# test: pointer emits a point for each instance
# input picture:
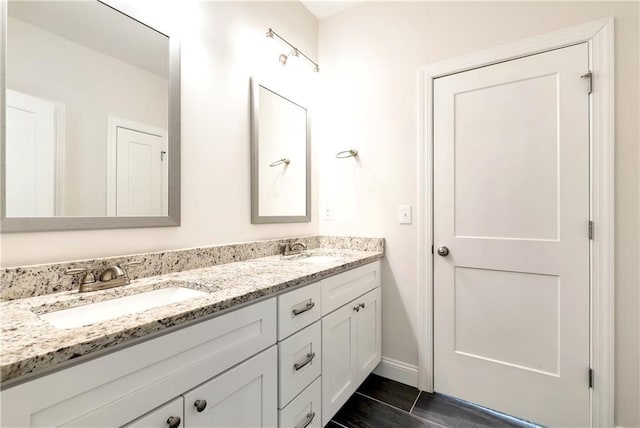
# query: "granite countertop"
(31, 345)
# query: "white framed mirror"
(280, 156)
(90, 99)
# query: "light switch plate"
(404, 214)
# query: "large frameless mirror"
(91, 111)
(281, 158)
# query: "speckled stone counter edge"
(32, 346)
(37, 280)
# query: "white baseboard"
(398, 371)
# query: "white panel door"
(139, 173)
(511, 204)
(30, 154)
(245, 396)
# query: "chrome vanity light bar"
(294, 51)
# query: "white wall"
(91, 86)
(222, 46)
(370, 56)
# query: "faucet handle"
(128, 265)
(283, 247)
(87, 275)
(131, 264)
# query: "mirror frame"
(40, 224)
(256, 218)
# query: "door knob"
(443, 251)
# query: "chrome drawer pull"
(306, 308)
(308, 420)
(307, 360)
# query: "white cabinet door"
(339, 364)
(245, 396)
(368, 333)
(167, 416)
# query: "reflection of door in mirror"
(282, 135)
(136, 169)
(34, 130)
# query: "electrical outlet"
(404, 214)
(327, 213)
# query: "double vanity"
(233, 335)
(263, 342)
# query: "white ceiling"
(326, 8)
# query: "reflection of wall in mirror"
(282, 134)
(91, 85)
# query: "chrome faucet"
(287, 249)
(297, 247)
(113, 276)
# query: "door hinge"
(432, 249)
(590, 377)
(589, 76)
(590, 229)
(162, 153)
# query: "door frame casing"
(599, 36)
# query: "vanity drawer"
(341, 289)
(299, 362)
(304, 410)
(298, 308)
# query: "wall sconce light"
(295, 52)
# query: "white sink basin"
(102, 311)
(319, 260)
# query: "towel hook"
(347, 154)
(285, 161)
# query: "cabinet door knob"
(361, 305)
(200, 405)
(356, 308)
(174, 421)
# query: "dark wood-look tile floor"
(384, 403)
